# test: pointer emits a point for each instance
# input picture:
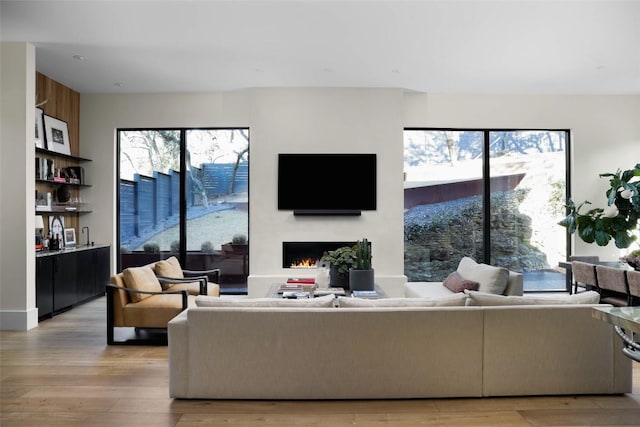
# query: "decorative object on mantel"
(618, 220)
(341, 260)
(361, 274)
(633, 259)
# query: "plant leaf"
(602, 238)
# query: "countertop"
(78, 248)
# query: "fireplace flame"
(304, 263)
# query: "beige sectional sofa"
(378, 352)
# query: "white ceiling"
(455, 46)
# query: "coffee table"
(273, 292)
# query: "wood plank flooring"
(62, 373)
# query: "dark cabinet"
(93, 272)
(65, 279)
(44, 286)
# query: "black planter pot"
(338, 280)
(361, 280)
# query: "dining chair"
(633, 280)
(613, 285)
(584, 276)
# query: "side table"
(626, 321)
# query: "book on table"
(366, 294)
(327, 291)
(301, 280)
(295, 294)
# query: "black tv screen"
(327, 183)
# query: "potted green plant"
(361, 274)
(618, 220)
(239, 239)
(237, 246)
(340, 261)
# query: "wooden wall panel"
(62, 103)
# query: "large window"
(184, 193)
(495, 196)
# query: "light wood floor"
(62, 373)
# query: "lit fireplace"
(306, 254)
(304, 263)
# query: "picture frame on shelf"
(69, 237)
(56, 226)
(57, 135)
(40, 138)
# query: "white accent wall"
(605, 136)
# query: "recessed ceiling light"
(78, 57)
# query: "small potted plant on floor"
(361, 274)
(239, 245)
(340, 261)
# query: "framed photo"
(69, 237)
(57, 135)
(56, 226)
(40, 141)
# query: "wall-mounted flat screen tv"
(327, 184)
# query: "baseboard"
(17, 320)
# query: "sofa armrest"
(202, 280)
(515, 284)
(178, 339)
(206, 273)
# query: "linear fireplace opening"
(307, 254)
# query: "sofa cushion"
(456, 283)
(485, 299)
(140, 279)
(169, 267)
(319, 302)
(491, 279)
(457, 299)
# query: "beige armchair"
(136, 299)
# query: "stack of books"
(295, 287)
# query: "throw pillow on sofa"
(458, 299)
(169, 267)
(484, 299)
(491, 279)
(326, 301)
(140, 279)
(456, 283)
